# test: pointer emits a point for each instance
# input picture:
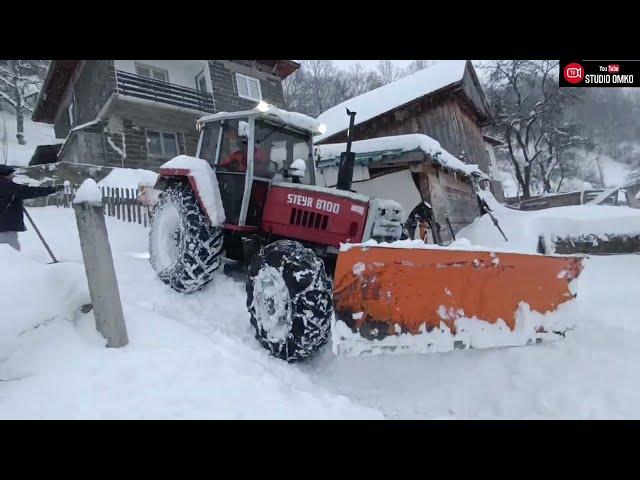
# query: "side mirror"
(298, 168)
(243, 129)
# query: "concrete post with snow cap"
(98, 264)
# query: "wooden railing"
(163, 92)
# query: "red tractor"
(251, 195)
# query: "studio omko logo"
(574, 73)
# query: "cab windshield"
(277, 147)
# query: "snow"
(404, 143)
(615, 173)
(129, 178)
(390, 96)
(189, 357)
(471, 331)
(35, 133)
(195, 356)
(89, 192)
(295, 119)
(523, 228)
(206, 183)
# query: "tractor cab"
(249, 150)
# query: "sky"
(371, 64)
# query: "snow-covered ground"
(35, 133)
(194, 356)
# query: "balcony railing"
(163, 92)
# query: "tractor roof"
(295, 120)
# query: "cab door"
(224, 147)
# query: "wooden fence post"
(101, 275)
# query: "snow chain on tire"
(199, 244)
(302, 289)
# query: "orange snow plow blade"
(419, 300)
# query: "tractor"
(250, 196)
(310, 252)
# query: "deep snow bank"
(523, 228)
(32, 293)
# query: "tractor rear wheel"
(185, 249)
(290, 300)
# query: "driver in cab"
(236, 161)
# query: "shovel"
(44, 242)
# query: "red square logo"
(613, 68)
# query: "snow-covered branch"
(6, 97)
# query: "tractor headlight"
(322, 128)
(263, 106)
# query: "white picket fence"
(121, 203)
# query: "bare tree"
(417, 65)
(529, 108)
(360, 80)
(20, 82)
(388, 72)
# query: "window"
(248, 87)
(162, 144)
(152, 72)
(201, 82)
(278, 146)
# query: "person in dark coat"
(11, 209)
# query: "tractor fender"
(202, 179)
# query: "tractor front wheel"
(290, 300)
(185, 249)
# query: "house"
(410, 169)
(444, 101)
(139, 113)
(418, 139)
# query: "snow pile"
(89, 192)
(35, 133)
(393, 95)
(523, 228)
(403, 143)
(206, 183)
(33, 294)
(458, 244)
(129, 178)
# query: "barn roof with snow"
(455, 76)
(394, 149)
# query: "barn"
(418, 139)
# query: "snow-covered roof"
(295, 119)
(393, 95)
(377, 148)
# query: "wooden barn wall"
(450, 195)
(446, 119)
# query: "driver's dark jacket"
(11, 197)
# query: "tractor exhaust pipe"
(347, 159)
